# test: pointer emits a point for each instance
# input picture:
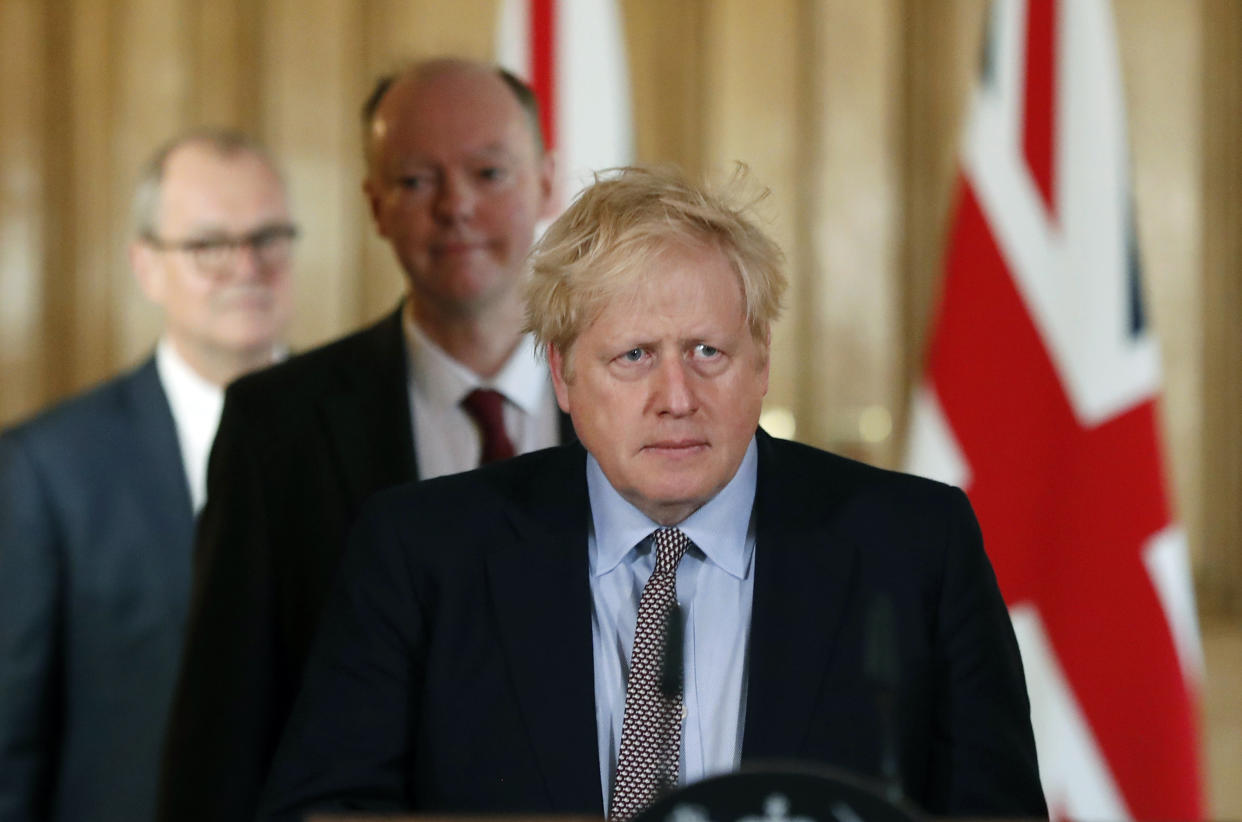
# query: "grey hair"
(226, 142)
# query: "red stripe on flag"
(1039, 112)
(1065, 511)
(543, 64)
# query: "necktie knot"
(671, 545)
(487, 408)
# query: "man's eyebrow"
(492, 149)
(199, 230)
(411, 162)
(213, 230)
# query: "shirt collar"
(523, 380)
(187, 388)
(720, 528)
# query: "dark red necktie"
(487, 407)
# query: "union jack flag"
(1040, 400)
(572, 53)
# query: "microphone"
(882, 665)
(671, 674)
(674, 653)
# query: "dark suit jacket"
(454, 669)
(301, 445)
(96, 528)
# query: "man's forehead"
(410, 157)
(202, 184)
(200, 164)
(460, 110)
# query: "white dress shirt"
(715, 587)
(446, 438)
(196, 404)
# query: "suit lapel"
(541, 593)
(161, 469)
(368, 420)
(802, 590)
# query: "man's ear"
(148, 271)
(767, 358)
(548, 206)
(374, 192)
(556, 364)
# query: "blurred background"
(849, 111)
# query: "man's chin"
(468, 289)
(670, 503)
(250, 338)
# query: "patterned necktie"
(651, 729)
(487, 407)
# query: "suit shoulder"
(521, 479)
(809, 486)
(527, 486)
(815, 466)
(80, 419)
(321, 370)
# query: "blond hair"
(603, 244)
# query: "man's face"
(666, 385)
(456, 186)
(241, 302)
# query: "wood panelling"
(667, 76)
(309, 90)
(941, 49)
(92, 190)
(852, 224)
(25, 368)
(1220, 402)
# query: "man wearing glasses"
(98, 495)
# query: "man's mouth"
(247, 297)
(685, 445)
(454, 247)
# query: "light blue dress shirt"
(715, 584)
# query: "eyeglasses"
(217, 254)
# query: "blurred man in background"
(98, 495)
(457, 177)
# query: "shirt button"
(684, 712)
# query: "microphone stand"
(671, 677)
(882, 666)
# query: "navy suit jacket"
(300, 447)
(454, 669)
(96, 528)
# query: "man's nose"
(456, 198)
(674, 387)
(246, 262)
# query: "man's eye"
(705, 350)
(206, 246)
(492, 173)
(633, 355)
(266, 238)
(411, 183)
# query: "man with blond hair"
(98, 495)
(499, 640)
(457, 178)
